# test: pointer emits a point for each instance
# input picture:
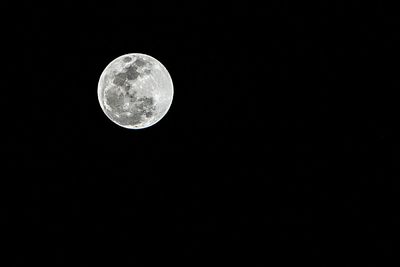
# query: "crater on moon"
(135, 91)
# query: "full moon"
(135, 91)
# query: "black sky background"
(282, 137)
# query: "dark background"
(280, 143)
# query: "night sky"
(282, 138)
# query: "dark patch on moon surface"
(131, 72)
(139, 62)
(114, 100)
(122, 75)
(147, 101)
(119, 79)
(140, 108)
(128, 73)
(126, 86)
(148, 114)
(132, 96)
(127, 59)
(146, 106)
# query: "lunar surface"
(135, 91)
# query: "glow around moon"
(135, 91)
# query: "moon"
(135, 91)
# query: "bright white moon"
(135, 91)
